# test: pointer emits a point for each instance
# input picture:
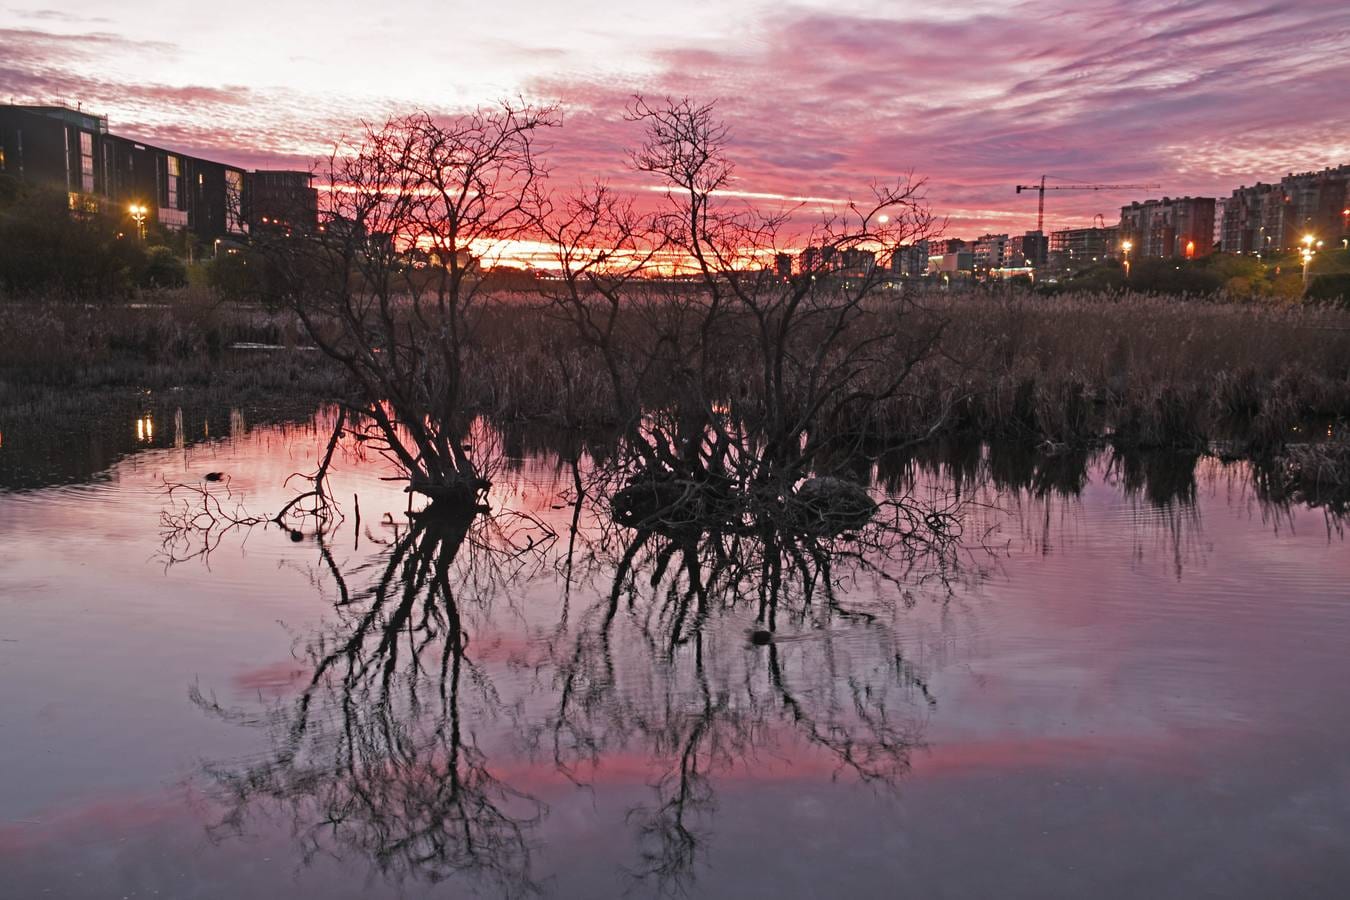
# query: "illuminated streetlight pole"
(138, 213)
(1127, 246)
(1310, 247)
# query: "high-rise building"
(990, 250)
(1030, 249)
(1273, 218)
(854, 262)
(815, 260)
(846, 262)
(1077, 248)
(1173, 227)
(911, 259)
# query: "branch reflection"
(738, 625)
(377, 756)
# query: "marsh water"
(1131, 678)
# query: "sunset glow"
(821, 98)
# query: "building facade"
(846, 262)
(1077, 248)
(54, 145)
(281, 200)
(73, 151)
(1273, 218)
(1029, 249)
(911, 260)
(1171, 228)
(989, 251)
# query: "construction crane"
(1041, 188)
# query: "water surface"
(1131, 681)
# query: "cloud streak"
(821, 99)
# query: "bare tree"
(389, 285)
(813, 343)
(734, 382)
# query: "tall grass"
(1137, 371)
(1153, 371)
(58, 354)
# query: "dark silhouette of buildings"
(279, 200)
(1076, 248)
(1029, 249)
(911, 260)
(1273, 218)
(847, 262)
(1173, 227)
(73, 151)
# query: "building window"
(86, 162)
(234, 195)
(173, 182)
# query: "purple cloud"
(1198, 97)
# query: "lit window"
(234, 188)
(87, 162)
(172, 179)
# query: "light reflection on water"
(1132, 682)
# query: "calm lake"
(1131, 680)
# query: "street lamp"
(138, 214)
(1310, 247)
(1127, 246)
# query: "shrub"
(233, 275)
(1331, 286)
(50, 249)
(163, 269)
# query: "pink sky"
(821, 97)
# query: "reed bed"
(1070, 370)
(61, 361)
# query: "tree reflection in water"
(750, 616)
(377, 755)
(710, 647)
(741, 642)
(698, 697)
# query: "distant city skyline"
(821, 98)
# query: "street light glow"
(1307, 254)
(138, 212)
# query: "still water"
(1132, 679)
